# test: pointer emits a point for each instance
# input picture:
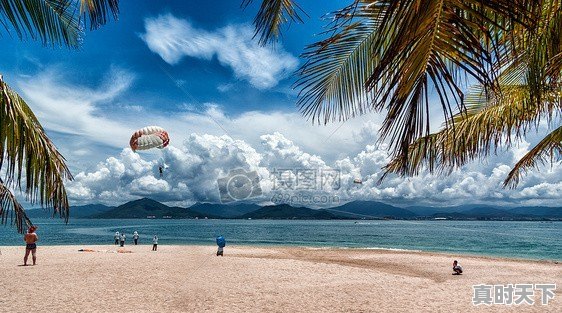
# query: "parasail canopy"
(149, 137)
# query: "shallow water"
(530, 240)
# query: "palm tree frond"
(331, 83)
(272, 15)
(549, 146)
(28, 155)
(11, 209)
(490, 120)
(408, 49)
(53, 22)
(99, 11)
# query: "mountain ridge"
(149, 208)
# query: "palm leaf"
(29, 156)
(549, 146)
(53, 22)
(430, 44)
(99, 11)
(335, 72)
(528, 92)
(416, 45)
(272, 15)
(488, 123)
(11, 209)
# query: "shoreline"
(321, 248)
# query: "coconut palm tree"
(29, 161)
(388, 55)
(529, 92)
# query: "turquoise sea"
(529, 240)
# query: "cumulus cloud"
(265, 142)
(192, 171)
(89, 123)
(173, 38)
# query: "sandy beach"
(251, 279)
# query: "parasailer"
(149, 137)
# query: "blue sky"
(193, 68)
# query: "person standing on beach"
(221, 242)
(116, 237)
(122, 238)
(136, 237)
(155, 243)
(30, 244)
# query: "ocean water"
(528, 240)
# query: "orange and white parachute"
(149, 137)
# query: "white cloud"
(70, 109)
(88, 123)
(173, 39)
(200, 152)
(193, 169)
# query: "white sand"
(248, 279)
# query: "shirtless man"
(31, 246)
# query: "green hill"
(145, 207)
(224, 210)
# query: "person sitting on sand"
(122, 239)
(155, 243)
(457, 268)
(221, 242)
(31, 244)
(136, 237)
(116, 237)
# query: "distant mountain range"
(144, 208)
(83, 211)
(148, 208)
(285, 211)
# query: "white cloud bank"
(193, 169)
(173, 39)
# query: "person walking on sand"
(136, 237)
(30, 245)
(221, 242)
(155, 243)
(457, 268)
(116, 237)
(122, 239)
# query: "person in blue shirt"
(221, 242)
